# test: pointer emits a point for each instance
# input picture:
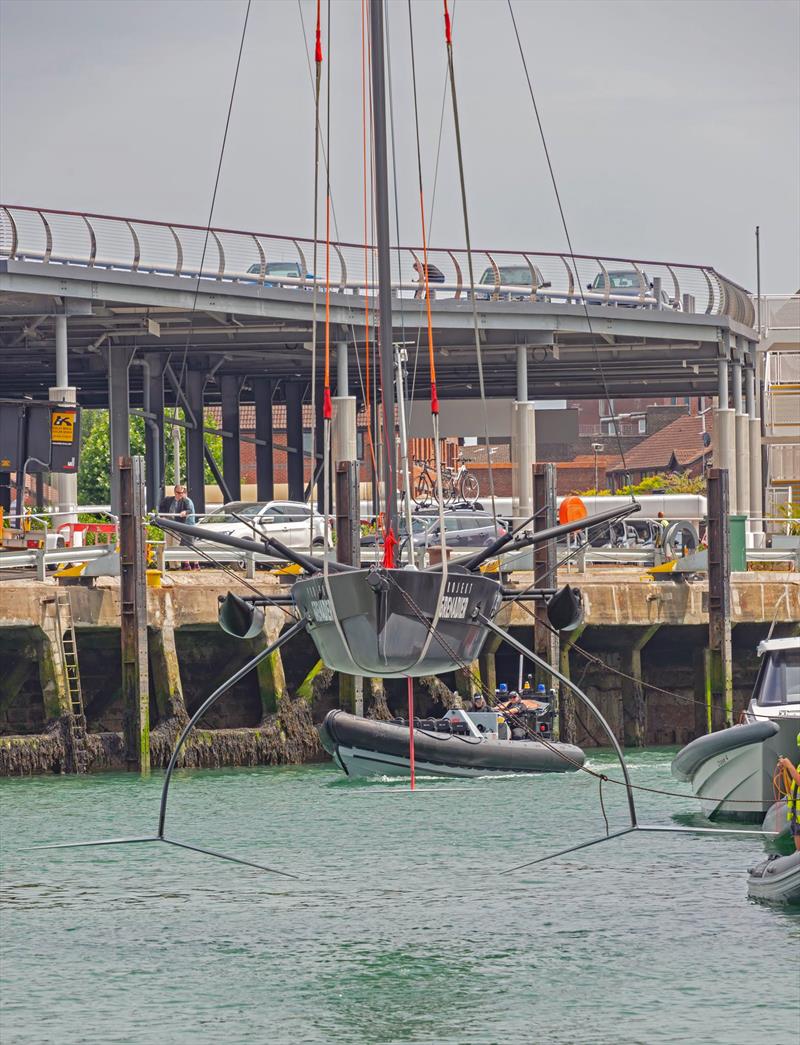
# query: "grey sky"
(674, 126)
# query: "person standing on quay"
(180, 506)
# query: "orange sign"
(62, 426)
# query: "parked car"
(462, 529)
(627, 283)
(510, 276)
(276, 269)
(288, 521)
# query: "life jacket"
(792, 803)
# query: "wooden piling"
(133, 615)
(719, 662)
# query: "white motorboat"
(732, 769)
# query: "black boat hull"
(363, 747)
(385, 617)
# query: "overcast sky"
(673, 125)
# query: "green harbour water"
(402, 927)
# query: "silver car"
(288, 521)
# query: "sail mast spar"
(386, 355)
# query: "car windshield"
(627, 280)
(278, 268)
(510, 275)
(779, 679)
(246, 509)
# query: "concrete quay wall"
(651, 634)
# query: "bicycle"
(457, 485)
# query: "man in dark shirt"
(435, 275)
(181, 507)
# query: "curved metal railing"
(136, 245)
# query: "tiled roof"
(605, 462)
(681, 439)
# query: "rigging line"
(433, 196)
(492, 701)
(315, 263)
(568, 238)
(242, 580)
(475, 324)
(366, 184)
(214, 193)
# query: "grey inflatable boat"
(776, 878)
(453, 747)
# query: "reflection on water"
(401, 929)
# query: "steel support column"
(229, 386)
(265, 469)
(66, 485)
(293, 393)
(119, 415)
(195, 442)
(154, 434)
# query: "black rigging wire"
(214, 198)
(568, 239)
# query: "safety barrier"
(192, 252)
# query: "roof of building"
(679, 443)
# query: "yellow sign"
(62, 426)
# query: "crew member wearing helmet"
(478, 702)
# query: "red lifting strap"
(389, 545)
(448, 32)
(318, 54)
(327, 410)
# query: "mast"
(386, 354)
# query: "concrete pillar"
(741, 501)
(343, 430)
(52, 675)
(230, 386)
(293, 391)
(165, 671)
(466, 681)
(724, 436)
(523, 441)
(271, 678)
(342, 376)
(119, 415)
(634, 703)
(265, 472)
(754, 446)
(523, 454)
(66, 484)
(195, 441)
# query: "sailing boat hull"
(377, 622)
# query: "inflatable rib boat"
(776, 879)
(453, 746)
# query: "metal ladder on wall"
(68, 649)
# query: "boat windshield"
(779, 681)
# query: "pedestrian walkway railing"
(190, 252)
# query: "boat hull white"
(735, 782)
(357, 762)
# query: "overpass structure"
(141, 315)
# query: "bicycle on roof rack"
(459, 485)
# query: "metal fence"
(192, 252)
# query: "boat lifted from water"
(461, 744)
